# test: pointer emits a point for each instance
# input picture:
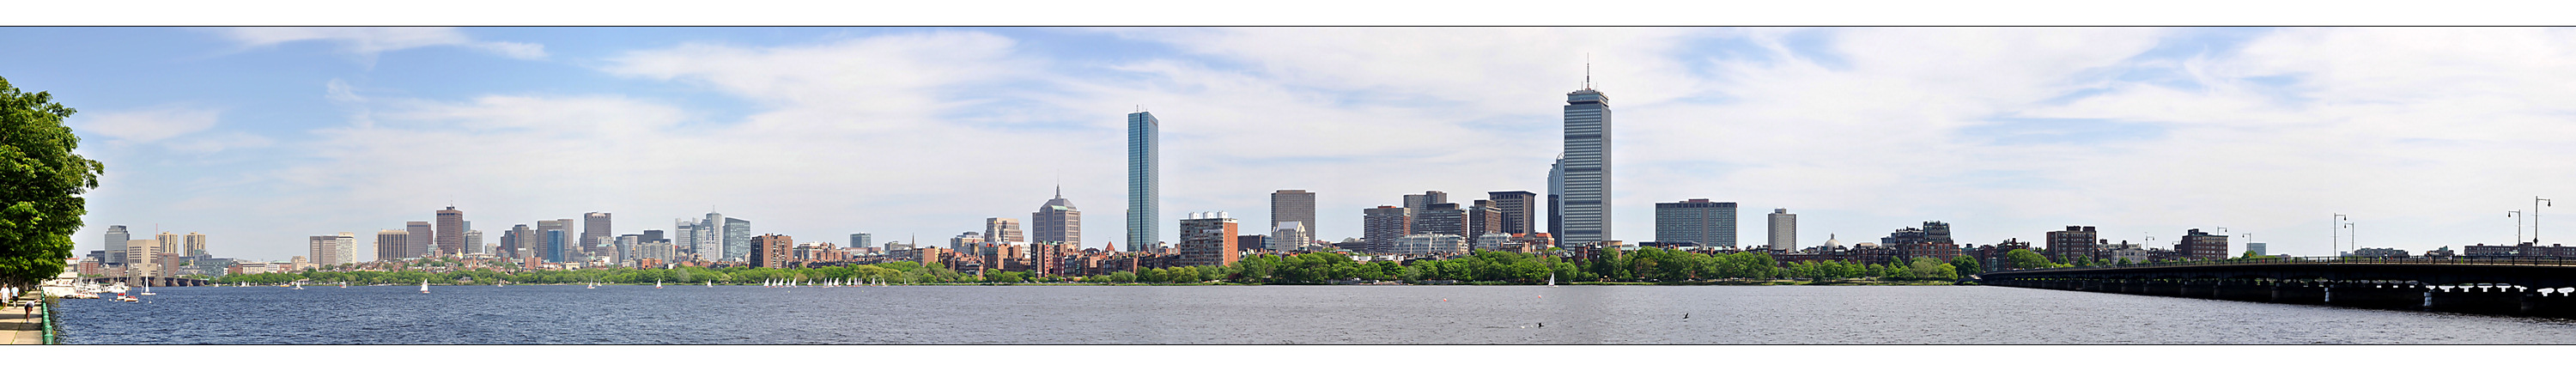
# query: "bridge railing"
(2453, 260)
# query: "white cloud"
(367, 42)
(149, 124)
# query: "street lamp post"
(2517, 224)
(2536, 203)
(2335, 243)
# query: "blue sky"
(258, 137)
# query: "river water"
(1252, 315)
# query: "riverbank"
(21, 326)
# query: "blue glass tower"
(1587, 168)
(1144, 168)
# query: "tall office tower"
(473, 240)
(1556, 199)
(417, 245)
(347, 249)
(651, 235)
(684, 235)
(1519, 208)
(1587, 167)
(1482, 218)
(1784, 230)
(513, 243)
(391, 244)
(559, 245)
(2258, 248)
(969, 243)
(451, 232)
(115, 247)
(2074, 242)
(626, 246)
(737, 238)
(1144, 170)
(771, 251)
(1696, 220)
(1055, 221)
(1424, 200)
(1381, 226)
(862, 240)
(1294, 205)
(196, 245)
(1289, 236)
(1208, 239)
(595, 232)
(547, 245)
(324, 249)
(2201, 246)
(141, 257)
(1003, 231)
(1440, 218)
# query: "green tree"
(40, 185)
(2024, 259)
(1966, 265)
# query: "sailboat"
(657, 284)
(299, 285)
(147, 288)
(1551, 278)
(711, 284)
(424, 286)
(594, 284)
(344, 284)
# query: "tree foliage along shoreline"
(40, 185)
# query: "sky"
(258, 137)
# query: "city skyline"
(2010, 133)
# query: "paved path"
(17, 326)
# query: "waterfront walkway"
(18, 326)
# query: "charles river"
(1251, 315)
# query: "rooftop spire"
(1587, 70)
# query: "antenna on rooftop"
(1587, 70)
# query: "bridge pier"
(2299, 293)
(2552, 304)
(2371, 295)
(2243, 291)
(2199, 289)
(2480, 299)
(2163, 288)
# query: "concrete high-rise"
(451, 232)
(1055, 221)
(323, 249)
(194, 245)
(1784, 230)
(1003, 231)
(1209, 239)
(417, 244)
(1519, 210)
(1587, 168)
(115, 247)
(1696, 220)
(391, 244)
(1381, 226)
(1421, 201)
(1289, 236)
(1482, 218)
(169, 243)
(595, 231)
(684, 236)
(346, 251)
(473, 241)
(1556, 199)
(862, 240)
(1144, 169)
(142, 257)
(1294, 205)
(1440, 218)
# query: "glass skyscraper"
(1586, 180)
(1144, 168)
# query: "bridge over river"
(2513, 286)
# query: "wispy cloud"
(367, 42)
(149, 124)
